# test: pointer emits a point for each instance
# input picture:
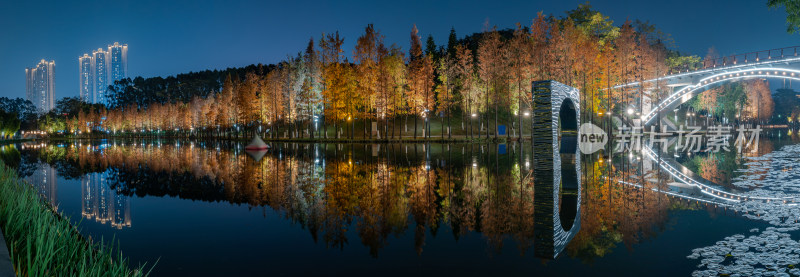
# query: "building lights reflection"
(102, 204)
(44, 180)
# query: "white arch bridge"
(711, 193)
(782, 63)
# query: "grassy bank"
(43, 243)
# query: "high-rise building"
(40, 85)
(118, 61)
(100, 75)
(101, 69)
(86, 81)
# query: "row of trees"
(486, 76)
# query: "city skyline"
(219, 36)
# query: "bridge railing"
(739, 59)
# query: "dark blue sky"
(170, 37)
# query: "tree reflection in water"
(382, 191)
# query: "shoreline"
(6, 266)
(42, 242)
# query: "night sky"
(170, 37)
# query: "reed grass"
(44, 243)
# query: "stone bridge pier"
(557, 188)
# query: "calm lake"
(212, 209)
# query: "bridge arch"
(686, 93)
(557, 188)
(568, 186)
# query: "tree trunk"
(487, 116)
(415, 126)
(449, 127)
(496, 128)
(480, 124)
(405, 126)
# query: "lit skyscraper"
(101, 69)
(86, 81)
(118, 61)
(40, 85)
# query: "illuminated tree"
(246, 99)
(464, 71)
(445, 98)
(331, 55)
(397, 85)
(311, 97)
(760, 104)
(492, 71)
(520, 67)
(272, 101)
(226, 109)
(368, 55)
(293, 90)
(416, 78)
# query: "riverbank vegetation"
(43, 243)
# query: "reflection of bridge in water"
(708, 192)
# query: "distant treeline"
(180, 88)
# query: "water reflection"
(382, 199)
(101, 203)
(382, 192)
(44, 180)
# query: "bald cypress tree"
(452, 41)
(415, 76)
